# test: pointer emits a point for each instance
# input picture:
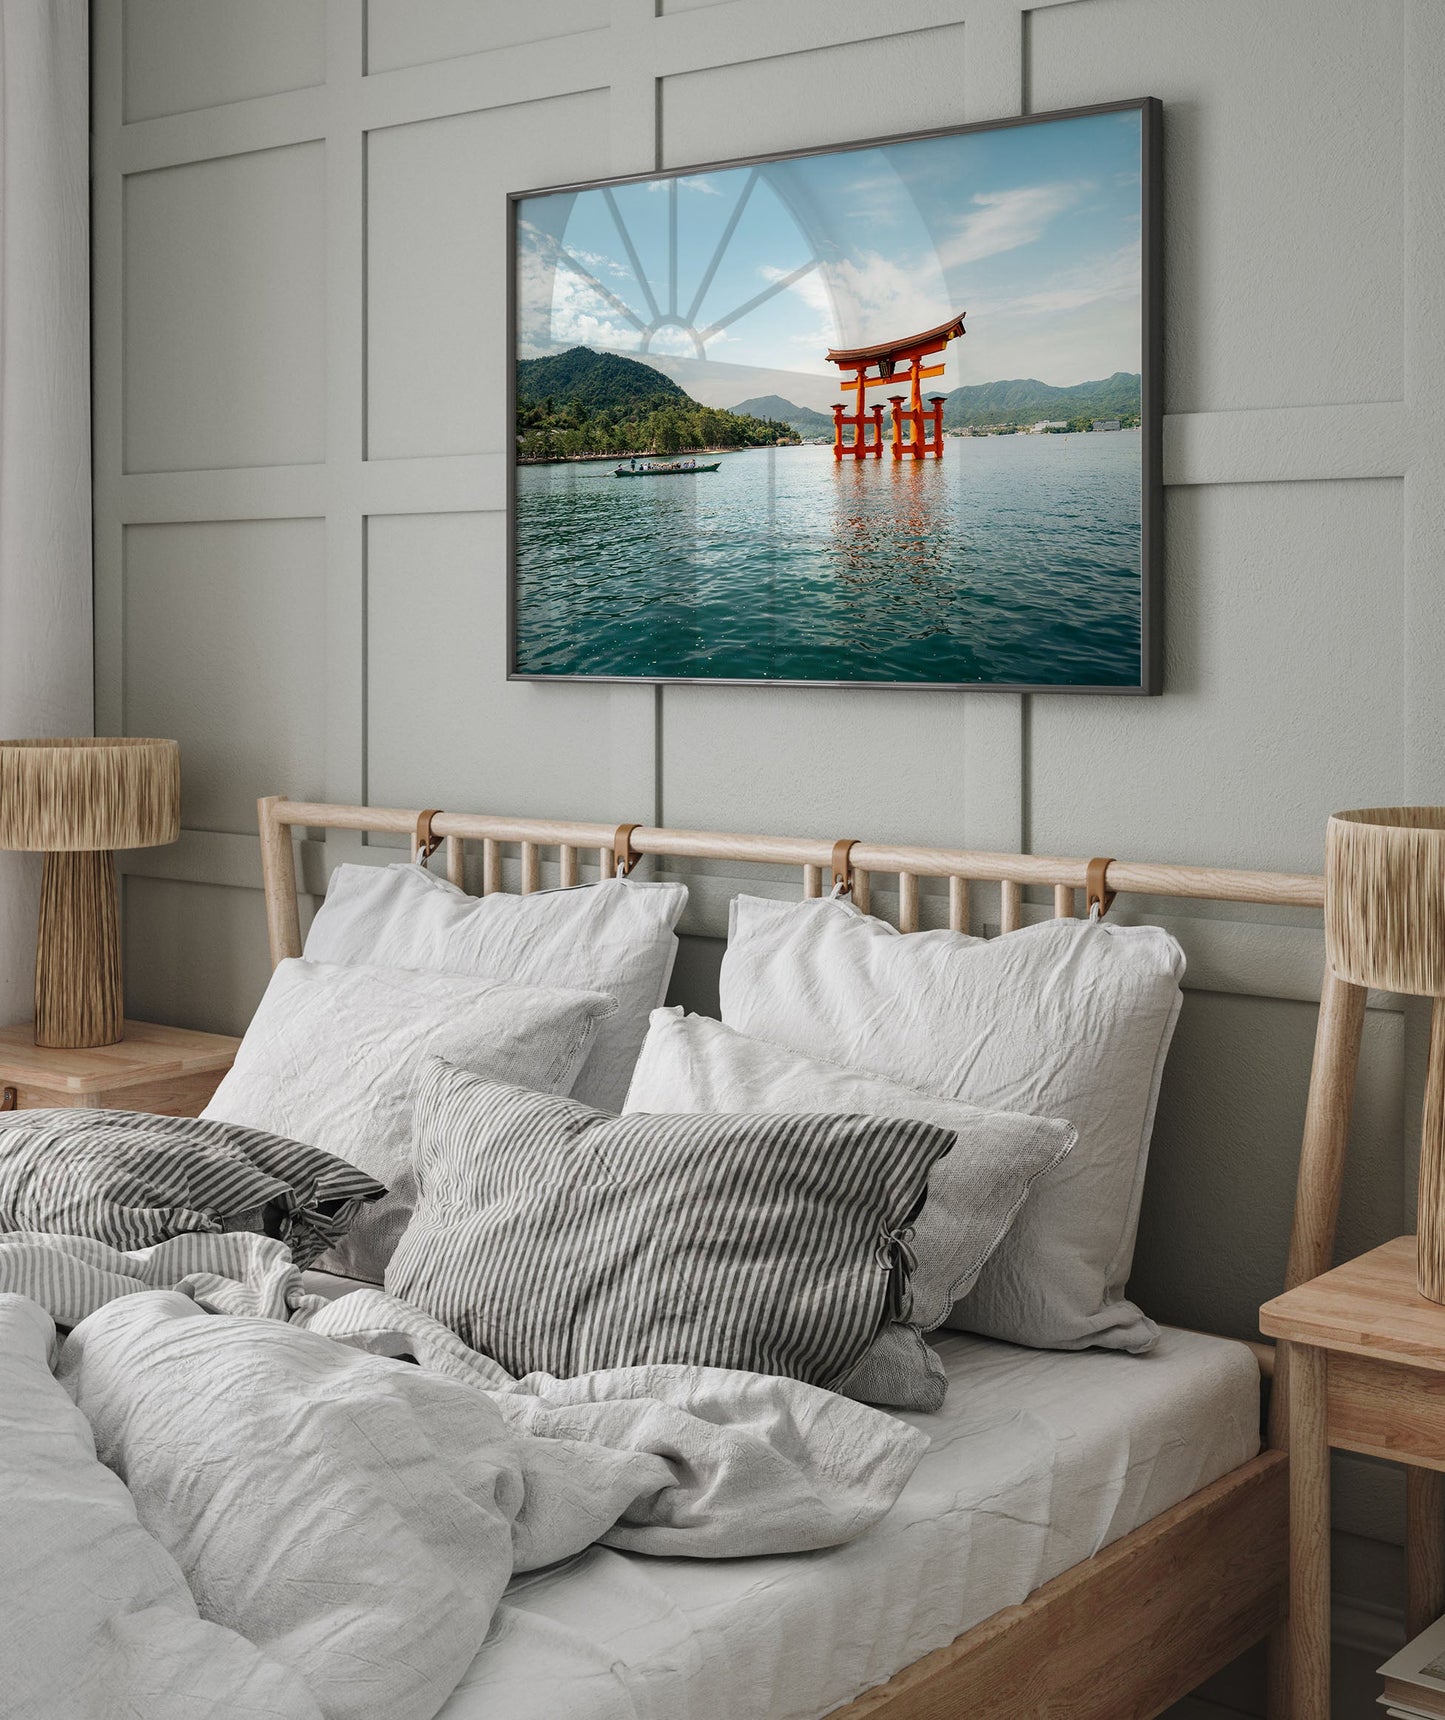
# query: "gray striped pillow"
(132, 1179)
(559, 1239)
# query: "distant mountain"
(595, 380)
(1026, 400)
(803, 419)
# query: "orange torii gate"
(910, 352)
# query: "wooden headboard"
(603, 849)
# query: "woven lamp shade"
(78, 801)
(66, 796)
(1385, 926)
(1385, 898)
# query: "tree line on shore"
(570, 430)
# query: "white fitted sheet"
(1038, 1460)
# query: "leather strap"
(623, 854)
(1097, 893)
(425, 844)
(843, 864)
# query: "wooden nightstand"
(1364, 1371)
(171, 1070)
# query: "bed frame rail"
(818, 858)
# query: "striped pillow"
(559, 1239)
(131, 1179)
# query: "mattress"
(1038, 1460)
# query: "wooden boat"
(669, 469)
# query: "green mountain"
(1026, 401)
(584, 405)
(596, 380)
(803, 419)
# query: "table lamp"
(1385, 926)
(78, 801)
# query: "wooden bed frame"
(1126, 1633)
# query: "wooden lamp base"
(1430, 1229)
(78, 999)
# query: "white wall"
(300, 350)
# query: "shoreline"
(618, 459)
(768, 447)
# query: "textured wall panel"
(403, 33)
(186, 54)
(1283, 191)
(815, 762)
(224, 312)
(195, 954)
(436, 265)
(1283, 618)
(794, 100)
(223, 625)
(442, 722)
(1214, 1228)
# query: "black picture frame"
(1151, 190)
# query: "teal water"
(1013, 559)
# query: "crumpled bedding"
(232, 1499)
(1037, 1460)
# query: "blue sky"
(1032, 231)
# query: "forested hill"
(802, 418)
(1026, 400)
(583, 405)
(596, 380)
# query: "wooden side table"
(170, 1070)
(1364, 1371)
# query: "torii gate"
(910, 351)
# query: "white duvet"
(222, 1499)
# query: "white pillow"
(333, 1055)
(975, 1191)
(615, 936)
(1063, 1019)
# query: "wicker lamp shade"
(1385, 898)
(1385, 926)
(77, 801)
(64, 796)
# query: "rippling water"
(1012, 559)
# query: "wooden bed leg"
(1309, 1539)
(1424, 1548)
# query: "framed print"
(883, 414)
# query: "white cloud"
(1115, 277)
(1004, 220)
(580, 318)
(558, 308)
(811, 291)
(688, 182)
(599, 260)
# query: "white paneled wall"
(300, 352)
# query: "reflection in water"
(1013, 559)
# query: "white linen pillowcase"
(616, 936)
(690, 1063)
(1067, 1018)
(333, 1056)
